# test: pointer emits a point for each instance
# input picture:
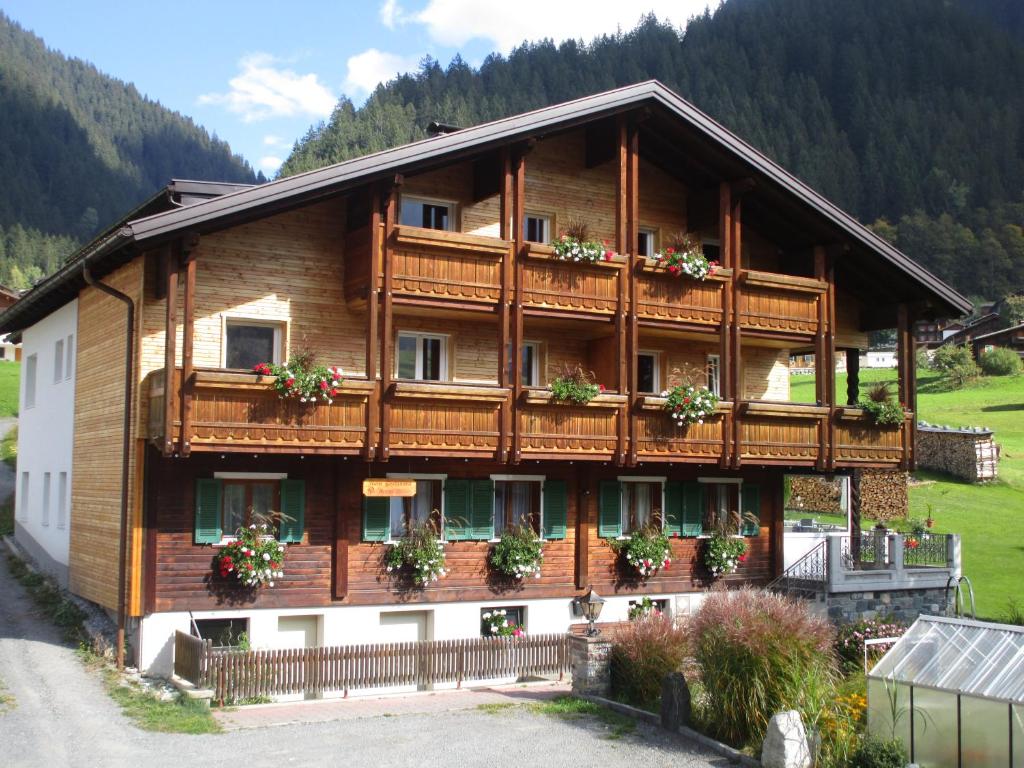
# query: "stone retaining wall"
(905, 604)
(970, 454)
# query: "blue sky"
(259, 73)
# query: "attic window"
(429, 214)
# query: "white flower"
(487, 615)
(271, 583)
(266, 556)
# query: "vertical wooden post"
(824, 362)
(188, 333)
(387, 362)
(170, 256)
(830, 355)
(778, 529)
(340, 537)
(622, 248)
(632, 265)
(583, 505)
(518, 238)
(736, 248)
(373, 405)
(906, 364)
(852, 376)
(505, 360)
(725, 329)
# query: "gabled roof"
(1000, 332)
(226, 210)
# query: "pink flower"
(608, 255)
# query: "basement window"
(225, 633)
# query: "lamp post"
(591, 606)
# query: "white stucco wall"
(45, 440)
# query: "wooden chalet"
(426, 274)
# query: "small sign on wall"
(389, 487)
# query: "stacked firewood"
(815, 494)
(883, 493)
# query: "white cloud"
(367, 69)
(506, 25)
(272, 141)
(391, 13)
(263, 90)
(269, 164)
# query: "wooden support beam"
(906, 365)
(505, 360)
(622, 247)
(821, 361)
(373, 403)
(188, 335)
(778, 525)
(518, 239)
(725, 330)
(387, 323)
(170, 259)
(736, 260)
(630, 273)
(340, 585)
(830, 358)
(584, 502)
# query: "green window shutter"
(750, 496)
(556, 509)
(673, 508)
(376, 518)
(693, 509)
(208, 500)
(482, 502)
(293, 511)
(609, 517)
(458, 523)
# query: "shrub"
(955, 364)
(850, 639)
(760, 653)
(1000, 361)
(881, 407)
(876, 753)
(643, 653)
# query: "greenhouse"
(953, 691)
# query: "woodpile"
(882, 493)
(970, 454)
(815, 494)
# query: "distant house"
(972, 329)
(10, 350)
(884, 357)
(1012, 337)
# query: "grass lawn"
(988, 516)
(10, 376)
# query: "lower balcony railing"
(233, 410)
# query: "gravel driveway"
(62, 717)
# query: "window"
(647, 379)
(46, 499)
(225, 633)
(3, 352)
(646, 242)
(232, 500)
(714, 374)
(429, 214)
(409, 511)
(246, 502)
(712, 249)
(422, 357)
(514, 614)
(248, 343)
(69, 352)
(537, 229)
(58, 361)
(62, 500)
(30, 381)
(516, 502)
(531, 364)
(727, 498)
(23, 496)
(641, 505)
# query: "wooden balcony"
(770, 302)
(659, 439)
(553, 286)
(781, 433)
(551, 429)
(444, 419)
(666, 298)
(856, 440)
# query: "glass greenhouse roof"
(973, 658)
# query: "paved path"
(62, 717)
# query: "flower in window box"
(518, 554)
(685, 257)
(646, 551)
(253, 557)
(303, 379)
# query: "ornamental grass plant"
(644, 651)
(760, 653)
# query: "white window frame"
(31, 376)
(69, 352)
(23, 495)
(714, 365)
(227, 538)
(451, 205)
(45, 518)
(652, 232)
(657, 370)
(418, 476)
(279, 335)
(623, 511)
(523, 479)
(548, 220)
(62, 500)
(535, 368)
(420, 337)
(58, 360)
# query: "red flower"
(670, 250)
(742, 558)
(333, 392)
(675, 534)
(600, 387)
(323, 385)
(290, 382)
(686, 400)
(674, 269)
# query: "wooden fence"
(237, 675)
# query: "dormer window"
(428, 214)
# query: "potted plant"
(574, 244)
(683, 256)
(575, 385)
(688, 401)
(303, 378)
(518, 554)
(254, 557)
(646, 551)
(418, 556)
(725, 549)
(881, 407)
(496, 624)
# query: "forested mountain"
(78, 149)
(906, 113)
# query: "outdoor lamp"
(591, 605)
